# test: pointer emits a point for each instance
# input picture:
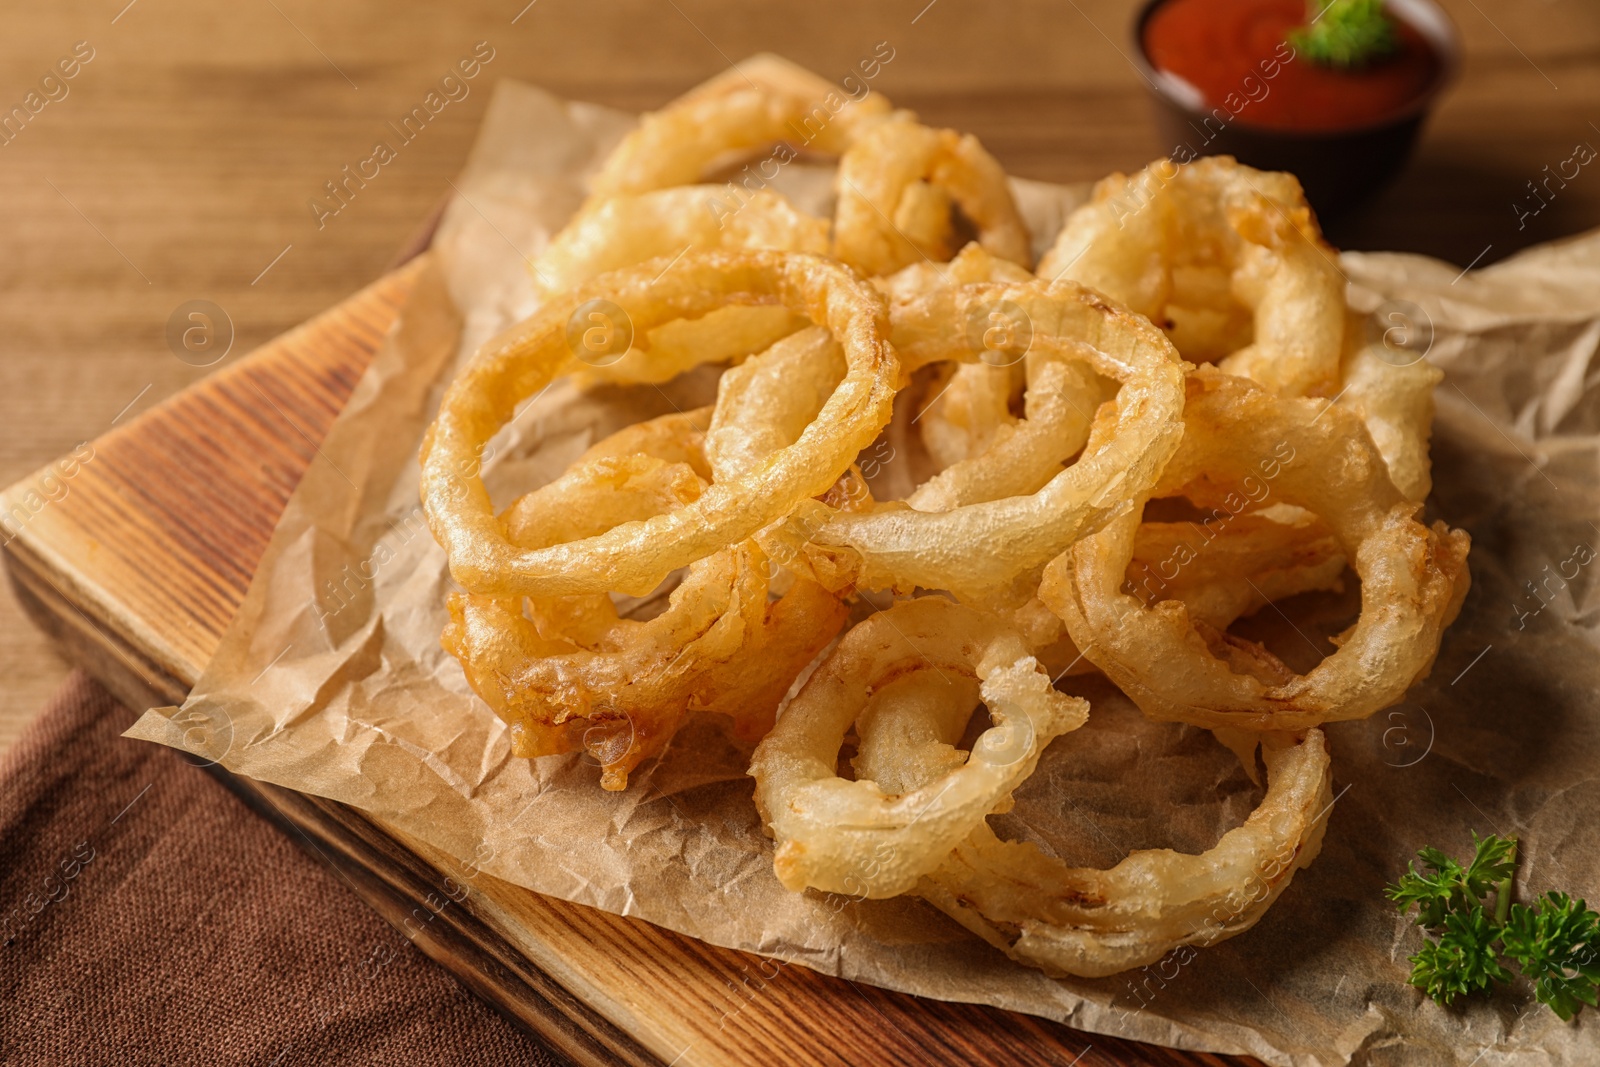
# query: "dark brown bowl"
(1338, 168)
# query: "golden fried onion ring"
(1221, 574)
(636, 556)
(1413, 578)
(897, 185)
(1078, 921)
(766, 402)
(760, 102)
(856, 837)
(628, 684)
(893, 546)
(1228, 258)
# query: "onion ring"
(762, 101)
(635, 557)
(1220, 575)
(628, 684)
(1226, 574)
(855, 837)
(971, 402)
(1091, 923)
(894, 547)
(1022, 457)
(899, 177)
(1227, 258)
(1413, 578)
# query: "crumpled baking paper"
(331, 680)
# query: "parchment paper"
(332, 681)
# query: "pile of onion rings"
(934, 481)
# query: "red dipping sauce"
(1233, 52)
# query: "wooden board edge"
(130, 673)
(135, 656)
(504, 907)
(381, 871)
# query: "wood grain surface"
(180, 163)
(137, 570)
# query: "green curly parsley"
(1347, 34)
(1557, 944)
(1555, 941)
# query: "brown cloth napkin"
(148, 917)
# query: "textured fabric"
(148, 917)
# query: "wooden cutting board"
(136, 561)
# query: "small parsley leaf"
(1347, 34)
(1444, 885)
(1494, 862)
(1557, 944)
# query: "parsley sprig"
(1557, 944)
(1347, 34)
(1555, 941)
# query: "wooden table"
(180, 164)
